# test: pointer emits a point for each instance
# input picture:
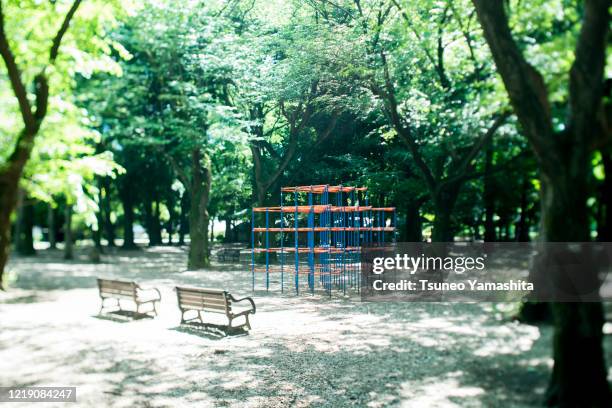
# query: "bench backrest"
(117, 288)
(209, 300)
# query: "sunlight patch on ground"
(437, 392)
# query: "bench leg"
(200, 316)
(246, 323)
(102, 304)
(154, 308)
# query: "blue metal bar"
(253, 248)
(297, 254)
(282, 255)
(267, 250)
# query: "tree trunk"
(96, 233)
(25, 223)
(489, 197)
(579, 375)
(444, 204)
(128, 221)
(261, 190)
(212, 231)
(8, 198)
(171, 221)
(198, 215)
(442, 226)
(151, 211)
(522, 227)
(96, 251)
(105, 202)
(18, 227)
(228, 230)
(96, 236)
(604, 222)
(156, 225)
(413, 226)
(68, 244)
(52, 233)
(183, 219)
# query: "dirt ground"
(302, 351)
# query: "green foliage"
(306, 81)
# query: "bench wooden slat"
(199, 303)
(203, 304)
(210, 308)
(202, 301)
(200, 290)
(202, 298)
(111, 294)
(107, 284)
(117, 284)
(204, 295)
(115, 290)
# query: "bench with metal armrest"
(200, 300)
(119, 289)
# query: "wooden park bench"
(228, 254)
(118, 289)
(211, 300)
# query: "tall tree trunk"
(579, 377)
(413, 227)
(522, 227)
(96, 236)
(212, 230)
(19, 218)
(8, 199)
(261, 191)
(96, 251)
(171, 221)
(444, 204)
(25, 224)
(183, 219)
(51, 222)
(604, 224)
(151, 211)
(68, 243)
(156, 225)
(128, 221)
(228, 230)
(489, 197)
(198, 215)
(96, 233)
(105, 202)
(579, 373)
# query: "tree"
(32, 117)
(563, 150)
(44, 72)
(177, 68)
